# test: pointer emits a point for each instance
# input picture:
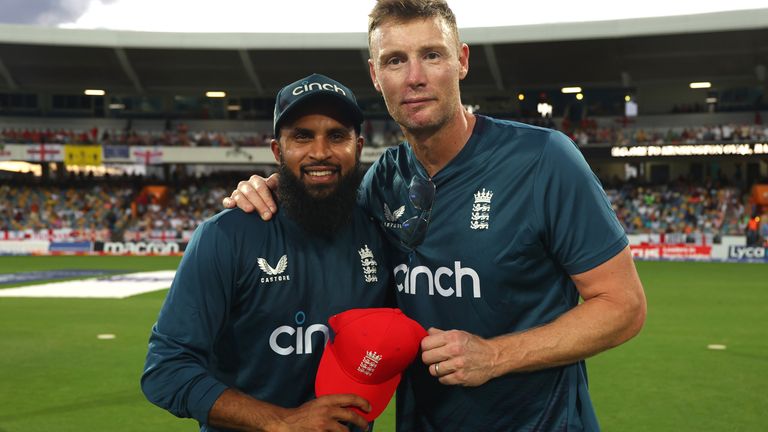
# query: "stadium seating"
(680, 208)
(123, 209)
(117, 209)
(587, 132)
(107, 210)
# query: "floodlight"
(571, 90)
(700, 85)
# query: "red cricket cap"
(367, 355)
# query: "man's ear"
(276, 150)
(463, 61)
(372, 72)
(360, 144)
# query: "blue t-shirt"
(249, 309)
(515, 213)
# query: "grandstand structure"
(649, 56)
(636, 118)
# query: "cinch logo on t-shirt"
(286, 340)
(445, 281)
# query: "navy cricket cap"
(315, 86)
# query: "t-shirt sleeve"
(176, 373)
(576, 219)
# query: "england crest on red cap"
(367, 355)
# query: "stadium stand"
(154, 119)
(586, 132)
(681, 208)
(129, 208)
(136, 208)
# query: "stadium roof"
(720, 47)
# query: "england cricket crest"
(370, 267)
(481, 210)
(369, 363)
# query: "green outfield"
(56, 375)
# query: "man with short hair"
(474, 209)
(240, 336)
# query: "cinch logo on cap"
(368, 354)
(308, 86)
(315, 86)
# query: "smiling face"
(319, 146)
(417, 64)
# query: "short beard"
(323, 216)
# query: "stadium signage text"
(142, 248)
(740, 149)
(671, 251)
(746, 253)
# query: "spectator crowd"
(680, 208)
(179, 136)
(128, 209)
(108, 210)
(584, 133)
(587, 132)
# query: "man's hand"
(237, 411)
(456, 357)
(326, 413)
(254, 194)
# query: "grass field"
(55, 375)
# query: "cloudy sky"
(327, 15)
